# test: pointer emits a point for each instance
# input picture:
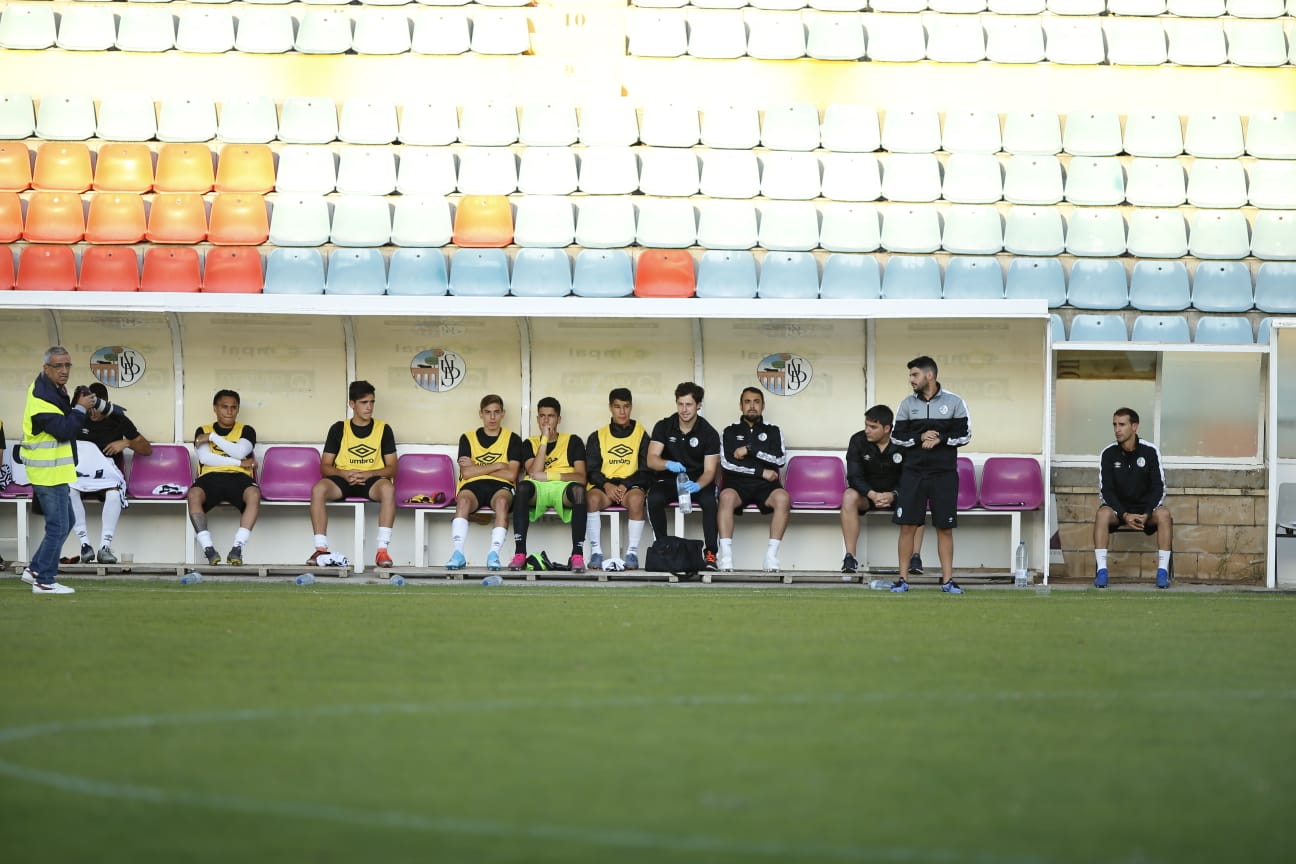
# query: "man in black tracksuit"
(1131, 486)
(751, 454)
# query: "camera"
(102, 405)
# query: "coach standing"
(51, 425)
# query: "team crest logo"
(1140, 462)
(693, 442)
(944, 409)
(896, 458)
(117, 366)
(761, 437)
(362, 451)
(620, 451)
(784, 374)
(438, 370)
(488, 458)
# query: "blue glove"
(675, 467)
(691, 487)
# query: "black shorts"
(355, 490)
(623, 482)
(1149, 527)
(224, 487)
(754, 491)
(485, 490)
(918, 491)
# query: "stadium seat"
(46, 268)
(246, 168)
(421, 220)
(1098, 284)
(955, 39)
(204, 30)
(973, 279)
(27, 27)
(365, 120)
(146, 29)
(54, 217)
(547, 171)
(910, 177)
(356, 272)
(1095, 181)
(125, 167)
(500, 32)
(1224, 330)
(306, 169)
(1096, 232)
(1011, 483)
(1269, 136)
(788, 176)
(1013, 39)
(665, 273)
(668, 171)
(850, 227)
(547, 124)
(1096, 133)
(1156, 182)
(612, 123)
(165, 465)
(851, 277)
(666, 223)
(732, 127)
(1195, 8)
(1222, 286)
(788, 226)
(895, 38)
(1135, 41)
(1196, 43)
(127, 117)
(541, 273)
(487, 171)
(972, 229)
(716, 34)
(288, 473)
(177, 218)
(238, 220)
(732, 174)
(11, 218)
(1155, 134)
(483, 221)
(726, 275)
(769, 37)
(1032, 133)
(1273, 235)
(911, 277)
(911, 229)
(1033, 180)
(173, 269)
(185, 168)
(911, 130)
(479, 273)
(116, 217)
(605, 223)
(1057, 330)
(361, 220)
(850, 128)
(299, 220)
(1036, 279)
(727, 225)
(972, 178)
(1159, 286)
(1157, 234)
(1213, 135)
(6, 269)
(967, 485)
(1273, 184)
(425, 475)
(417, 273)
(1273, 288)
(545, 221)
(16, 166)
(1217, 183)
(308, 120)
(248, 120)
(670, 124)
(815, 482)
(1161, 328)
(1034, 231)
(294, 271)
(186, 119)
(1098, 328)
(426, 171)
(790, 126)
(1256, 43)
(603, 273)
(17, 116)
(366, 170)
(657, 32)
(489, 124)
(608, 170)
(230, 270)
(443, 32)
(428, 124)
(323, 31)
(1255, 8)
(1219, 234)
(106, 269)
(788, 276)
(851, 177)
(971, 131)
(385, 33)
(62, 166)
(264, 31)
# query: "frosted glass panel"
(1286, 408)
(26, 336)
(1210, 405)
(1083, 411)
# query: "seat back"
(170, 268)
(665, 273)
(816, 482)
(288, 473)
(1011, 483)
(167, 464)
(1286, 516)
(430, 474)
(967, 488)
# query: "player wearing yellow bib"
(555, 477)
(358, 461)
(225, 474)
(616, 459)
(489, 460)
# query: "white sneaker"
(28, 576)
(52, 588)
(771, 564)
(726, 564)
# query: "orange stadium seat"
(15, 166)
(245, 168)
(6, 269)
(178, 218)
(239, 220)
(233, 270)
(62, 166)
(184, 168)
(54, 217)
(46, 268)
(483, 221)
(107, 269)
(124, 168)
(116, 217)
(665, 273)
(174, 269)
(11, 221)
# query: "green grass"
(266, 722)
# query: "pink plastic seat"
(168, 463)
(816, 482)
(967, 494)
(425, 474)
(288, 473)
(16, 490)
(1011, 483)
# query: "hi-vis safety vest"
(495, 454)
(556, 456)
(356, 453)
(234, 434)
(620, 455)
(49, 461)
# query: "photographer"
(100, 471)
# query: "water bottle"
(685, 499)
(193, 577)
(879, 585)
(1021, 576)
(305, 579)
(397, 579)
(493, 580)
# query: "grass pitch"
(265, 722)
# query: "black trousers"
(663, 492)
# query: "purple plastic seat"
(288, 473)
(16, 490)
(967, 494)
(168, 463)
(1011, 483)
(816, 482)
(425, 474)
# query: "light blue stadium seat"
(1098, 284)
(356, 271)
(1161, 328)
(1096, 232)
(417, 273)
(294, 271)
(911, 278)
(1057, 329)
(1098, 328)
(1224, 330)
(1159, 286)
(541, 273)
(972, 229)
(1037, 278)
(1275, 288)
(725, 273)
(1222, 286)
(479, 273)
(1263, 329)
(851, 277)
(603, 273)
(789, 276)
(974, 279)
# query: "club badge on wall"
(784, 374)
(438, 370)
(117, 366)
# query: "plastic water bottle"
(493, 580)
(1021, 577)
(397, 579)
(685, 498)
(879, 585)
(305, 579)
(193, 577)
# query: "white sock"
(726, 547)
(1163, 559)
(112, 510)
(773, 548)
(384, 537)
(79, 518)
(1100, 558)
(242, 535)
(204, 539)
(636, 534)
(594, 533)
(458, 533)
(321, 541)
(497, 539)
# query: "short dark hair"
(924, 363)
(1127, 412)
(620, 394)
(98, 389)
(688, 388)
(747, 390)
(550, 402)
(491, 399)
(221, 394)
(359, 390)
(881, 415)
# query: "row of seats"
(611, 222)
(798, 126)
(1170, 329)
(1090, 284)
(1181, 8)
(964, 178)
(205, 30)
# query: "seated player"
(554, 477)
(489, 460)
(226, 470)
(106, 436)
(751, 454)
(616, 461)
(873, 467)
(685, 443)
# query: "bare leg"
(322, 492)
(197, 517)
(1165, 528)
(725, 515)
(905, 548)
(850, 520)
(781, 502)
(945, 548)
(384, 492)
(252, 507)
(1103, 522)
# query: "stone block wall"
(1219, 533)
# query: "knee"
(576, 494)
(781, 501)
(728, 498)
(850, 500)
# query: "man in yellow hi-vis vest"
(51, 424)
